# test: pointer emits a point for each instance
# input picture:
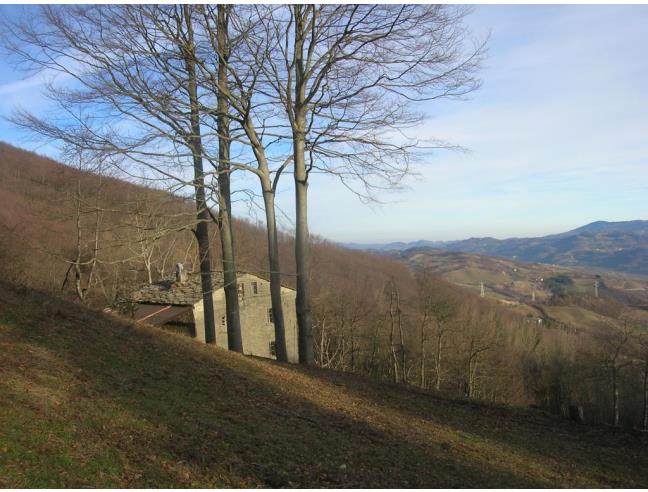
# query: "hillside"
(37, 230)
(37, 234)
(514, 280)
(618, 246)
(512, 284)
(89, 400)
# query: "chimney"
(181, 276)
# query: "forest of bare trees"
(452, 341)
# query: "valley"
(593, 298)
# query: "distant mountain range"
(620, 246)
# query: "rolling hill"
(87, 399)
(515, 279)
(525, 288)
(618, 246)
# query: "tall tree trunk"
(234, 338)
(149, 272)
(373, 366)
(402, 346)
(394, 307)
(423, 354)
(268, 189)
(275, 272)
(77, 263)
(615, 396)
(302, 258)
(302, 250)
(353, 345)
(469, 385)
(645, 396)
(202, 228)
(439, 348)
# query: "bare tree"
(640, 349)
(480, 336)
(237, 86)
(134, 98)
(84, 264)
(149, 220)
(434, 307)
(339, 319)
(614, 342)
(332, 348)
(644, 419)
(235, 341)
(346, 77)
(397, 348)
(425, 314)
(443, 311)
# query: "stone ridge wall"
(257, 329)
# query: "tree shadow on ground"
(574, 454)
(206, 417)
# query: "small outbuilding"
(177, 302)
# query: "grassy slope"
(87, 400)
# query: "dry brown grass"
(89, 400)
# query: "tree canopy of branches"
(347, 78)
(186, 95)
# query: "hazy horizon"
(473, 236)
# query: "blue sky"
(557, 135)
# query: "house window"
(273, 349)
(255, 288)
(241, 290)
(270, 316)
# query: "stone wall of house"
(256, 324)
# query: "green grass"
(89, 400)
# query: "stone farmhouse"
(177, 303)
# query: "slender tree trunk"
(402, 346)
(615, 396)
(273, 242)
(394, 308)
(275, 272)
(302, 250)
(149, 273)
(302, 256)
(469, 376)
(439, 348)
(77, 264)
(374, 349)
(202, 228)
(352, 344)
(95, 250)
(423, 355)
(322, 343)
(645, 396)
(234, 338)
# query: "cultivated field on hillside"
(511, 283)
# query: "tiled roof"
(168, 291)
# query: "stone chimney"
(181, 276)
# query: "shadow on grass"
(572, 454)
(207, 417)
